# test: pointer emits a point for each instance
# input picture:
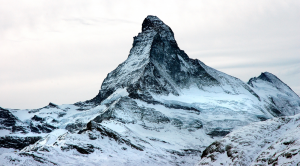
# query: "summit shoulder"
(269, 77)
(282, 100)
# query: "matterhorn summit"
(158, 107)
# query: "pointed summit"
(151, 22)
(157, 66)
(266, 76)
(152, 26)
(154, 23)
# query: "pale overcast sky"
(60, 51)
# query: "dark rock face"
(52, 105)
(196, 124)
(17, 142)
(7, 118)
(214, 147)
(218, 132)
(103, 94)
(9, 122)
(83, 149)
(36, 118)
(39, 125)
(166, 55)
(185, 152)
(75, 127)
(152, 22)
(41, 160)
(264, 77)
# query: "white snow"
(4, 132)
(263, 143)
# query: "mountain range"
(160, 107)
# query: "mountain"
(272, 142)
(281, 98)
(159, 107)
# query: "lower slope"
(272, 142)
(167, 130)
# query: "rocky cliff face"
(159, 107)
(11, 123)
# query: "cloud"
(94, 21)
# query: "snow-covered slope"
(159, 107)
(281, 98)
(272, 142)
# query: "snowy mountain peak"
(268, 77)
(156, 65)
(153, 60)
(152, 22)
(153, 25)
(281, 98)
(274, 81)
